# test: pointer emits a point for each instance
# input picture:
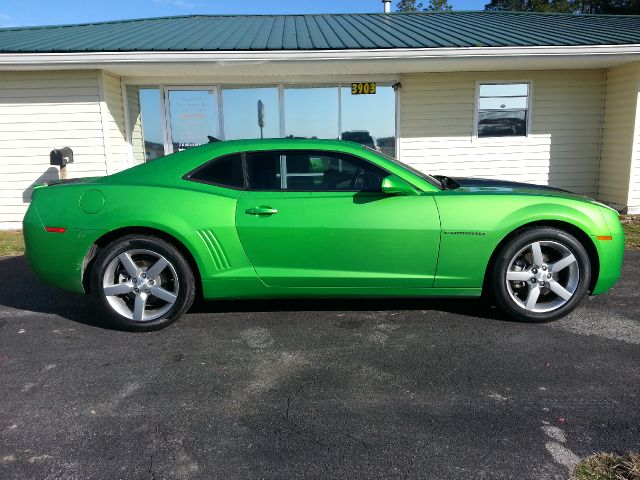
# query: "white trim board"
(72, 58)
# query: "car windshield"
(432, 180)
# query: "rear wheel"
(142, 283)
(541, 274)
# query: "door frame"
(165, 110)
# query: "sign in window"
(193, 117)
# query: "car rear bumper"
(56, 258)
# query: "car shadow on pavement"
(21, 290)
(467, 307)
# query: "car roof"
(287, 142)
(248, 145)
(168, 168)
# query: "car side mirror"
(394, 185)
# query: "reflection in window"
(311, 112)
(151, 129)
(370, 119)
(503, 109)
(193, 116)
(240, 108)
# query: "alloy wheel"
(140, 285)
(542, 276)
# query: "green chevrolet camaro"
(314, 218)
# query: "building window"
(240, 112)
(311, 112)
(370, 119)
(503, 109)
(168, 119)
(150, 103)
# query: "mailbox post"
(60, 157)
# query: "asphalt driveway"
(317, 389)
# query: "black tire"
(512, 296)
(175, 283)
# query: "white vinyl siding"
(633, 203)
(118, 148)
(617, 134)
(40, 111)
(437, 128)
(135, 124)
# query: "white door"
(193, 117)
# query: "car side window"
(225, 171)
(312, 171)
(263, 170)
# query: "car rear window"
(225, 171)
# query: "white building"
(547, 99)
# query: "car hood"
(502, 186)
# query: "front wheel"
(541, 274)
(142, 283)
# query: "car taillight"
(55, 229)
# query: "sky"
(16, 13)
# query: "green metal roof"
(340, 31)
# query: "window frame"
(476, 110)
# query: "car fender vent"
(218, 255)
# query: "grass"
(631, 225)
(11, 240)
(607, 466)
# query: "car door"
(319, 219)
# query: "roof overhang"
(315, 62)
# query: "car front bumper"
(610, 252)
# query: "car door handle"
(261, 210)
